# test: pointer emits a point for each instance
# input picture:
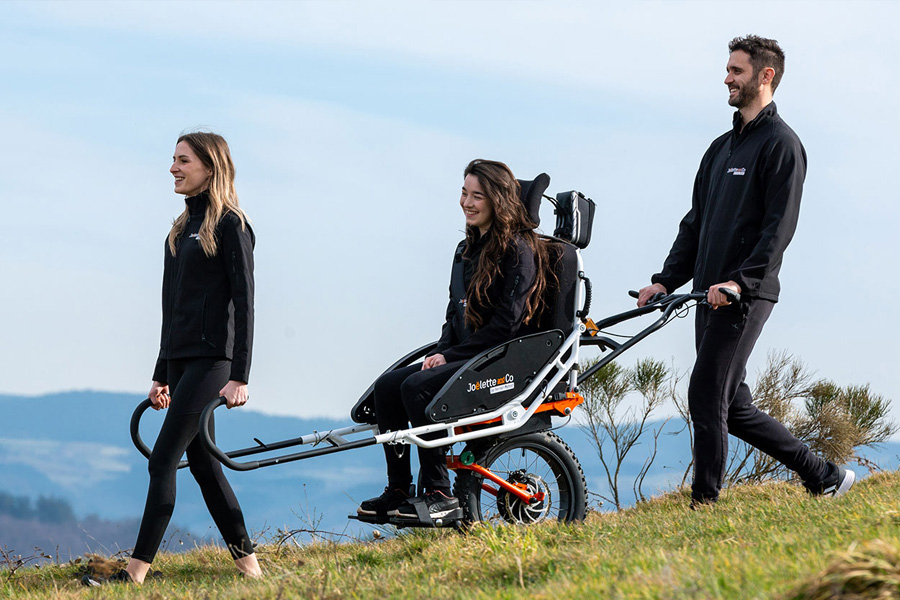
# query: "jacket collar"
(766, 115)
(197, 204)
(479, 239)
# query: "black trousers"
(400, 400)
(720, 401)
(192, 384)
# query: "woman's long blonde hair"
(212, 150)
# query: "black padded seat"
(560, 310)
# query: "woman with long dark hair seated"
(503, 280)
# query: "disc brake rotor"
(513, 509)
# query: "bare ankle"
(249, 566)
(137, 569)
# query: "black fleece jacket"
(745, 207)
(207, 302)
(502, 317)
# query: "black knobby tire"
(538, 461)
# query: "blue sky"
(350, 124)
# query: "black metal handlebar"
(226, 458)
(207, 440)
(668, 304)
(731, 295)
(136, 431)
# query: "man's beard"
(745, 95)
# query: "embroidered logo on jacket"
(196, 236)
(737, 171)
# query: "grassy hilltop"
(768, 541)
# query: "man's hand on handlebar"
(716, 298)
(646, 293)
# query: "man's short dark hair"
(763, 53)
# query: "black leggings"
(400, 399)
(192, 384)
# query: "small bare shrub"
(606, 418)
(833, 421)
(10, 562)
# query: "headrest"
(531, 195)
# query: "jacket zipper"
(203, 321)
(177, 260)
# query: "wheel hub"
(513, 509)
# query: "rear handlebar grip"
(655, 297)
(730, 294)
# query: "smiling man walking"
(744, 211)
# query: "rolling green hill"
(767, 541)
(75, 446)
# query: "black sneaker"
(381, 505)
(438, 504)
(120, 576)
(837, 483)
(700, 503)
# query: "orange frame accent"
(455, 464)
(572, 400)
(562, 408)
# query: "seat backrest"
(559, 309)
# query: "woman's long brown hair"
(212, 150)
(502, 190)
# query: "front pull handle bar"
(136, 431)
(204, 430)
(206, 438)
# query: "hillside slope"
(76, 446)
(766, 541)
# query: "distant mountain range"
(76, 446)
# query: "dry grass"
(870, 571)
(758, 542)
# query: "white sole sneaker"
(845, 482)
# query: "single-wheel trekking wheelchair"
(500, 404)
